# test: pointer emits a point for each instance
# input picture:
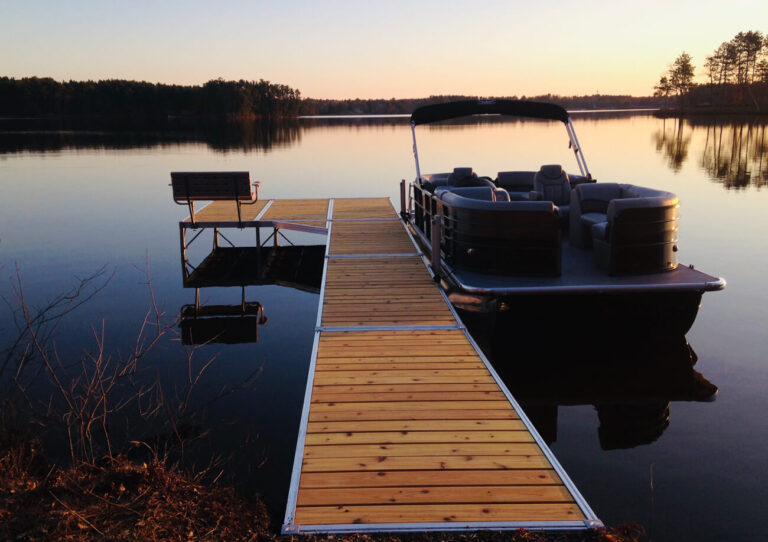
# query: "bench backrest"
(212, 185)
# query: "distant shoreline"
(407, 115)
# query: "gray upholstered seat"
(430, 181)
(632, 229)
(589, 206)
(485, 193)
(464, 177)
(517, 183)
(551, 183)
(500, 237)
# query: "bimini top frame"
(519, 108)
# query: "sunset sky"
(398, 48)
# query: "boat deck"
(581, 276)
(406, 426)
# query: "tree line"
(43, 96)
(393, 106)
(736, 74)
(139, 100)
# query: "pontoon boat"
(548, 239)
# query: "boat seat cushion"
(516, 238)
(552, 171)
(599, 231)
(589, 206)
(632, 229)
(462, 176)
(518, 184)
(431, 181)
(517, 181)
(484, 193)
(565, 211)
(551, 183)
(590, 219)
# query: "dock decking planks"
(405, 427)
(297, 209)
(226, 211)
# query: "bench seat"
(632, 229)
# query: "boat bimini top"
(519, 108)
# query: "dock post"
(436, 225)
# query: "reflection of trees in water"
(221, 135)
(736, 154)
(673, 142)
(735, 151)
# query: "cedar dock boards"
(406, 426)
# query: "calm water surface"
(634, 442)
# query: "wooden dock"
(406, 426)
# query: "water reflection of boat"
(500, 243)
(630, 383)
(299, 267)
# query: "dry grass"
(117, 500)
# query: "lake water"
(634, 442)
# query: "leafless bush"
(99, 391)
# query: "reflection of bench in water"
(298, 267)
(229, 324)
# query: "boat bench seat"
(515, 238)
(485, 193)
(518, 184)
(632, 229)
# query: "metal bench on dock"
(233, 203)
(191, 186)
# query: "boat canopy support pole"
(415, 151)
(574, 142)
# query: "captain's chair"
(551, 184)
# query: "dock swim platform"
(406, 426)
